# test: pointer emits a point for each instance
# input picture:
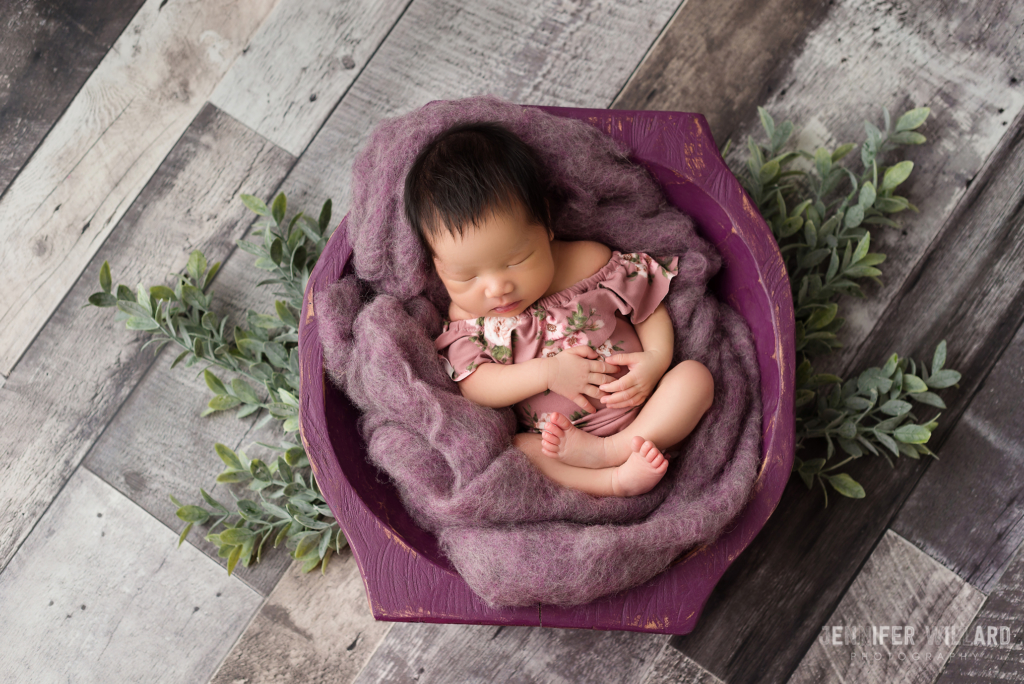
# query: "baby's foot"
(570, 445)
(642, 470)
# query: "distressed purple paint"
(406, 576)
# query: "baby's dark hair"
(467, 171)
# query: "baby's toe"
(636, 443)
(558, 420)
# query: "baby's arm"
(647, 367)
(573, 373)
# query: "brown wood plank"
(47, 51)
(299, 64)
(769, 605)
(968, 509)
(105, 147)
(992, 649)
(914, 598)
(78, 372)
(545, 52)
(672, 667)
(99, 593)
(424, 653)
(313, 628)
(722, 58)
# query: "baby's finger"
(602, 367)
(582, 402)
(600, 379)
(584, 351)
(622, 358)
(622, 383)
(620, 397)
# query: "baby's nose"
(499, 287)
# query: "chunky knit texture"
(516, 537)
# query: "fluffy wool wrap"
(516, 537)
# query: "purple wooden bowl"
(406, 576)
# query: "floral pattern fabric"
(591, 312)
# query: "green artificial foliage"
(820, 212)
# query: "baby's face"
(498, 267)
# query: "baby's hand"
(574, 373)
(633, 388)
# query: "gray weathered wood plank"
(968, 509)
(722, 59)
(99, 593)
(299, 64)
(99, 155)
(312, 628)
(79, 371)
(923, 607)
(967, 290)
(423, 652)
(47, 51)
(992, 649)
(544, 52)
(672, 667)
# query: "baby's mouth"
(506, 308)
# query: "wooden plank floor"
(921, 581)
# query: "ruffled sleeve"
(464, 345)
(640, 282)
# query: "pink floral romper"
(591, 312)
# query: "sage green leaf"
(233, 557)
(210, 275)
(912, 119)
(939, 358)
(867, 195)
(244, 391)
(103, 299)
(140, 323)
(325, 542)
(125, 294)
(943, 378)
(895, 407)
(825, 379)
(250, 508)
(180, 358)
(842, 151)
(908, 138)
(307, 542)
(912, 434)
(890, 365)
(227, 455)
(236, 535)
(861, 272)
(325, 216)
(293, 455)
(913, 384)
(895, 175)
(264, 321)
(814, 258)
(163, 292)
(275, 510)
(222, 402)
(260, 471)
(851, 447)
(908, 450)
(196, 265)
(250, 347)
(929, 398)
(847, 430)
(887, 441)
(184, 533)
(767, 123)
(285, 314)
(105, 282)
(290, 425)
(232, 476)
(846, 485)
(890, 424)
(803, 397)
(854, 216)
(255, 204)
(214, 383)
(858, 403)
(192, 514)
(212, 501)
(279, 207)
(822, 317)
(822, 162)
(862, 248)
(288, 398)
(247, 410)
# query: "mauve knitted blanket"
(516, 537)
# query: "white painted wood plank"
(79, 371)
(899, 588)
(313, 628)
(672, 666)
(105, 147)
(99, 593)
(427, 653)
(542, 52)
(299, 64)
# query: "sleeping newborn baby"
(572, 334)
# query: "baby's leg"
(642, 469)
(683, 395)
